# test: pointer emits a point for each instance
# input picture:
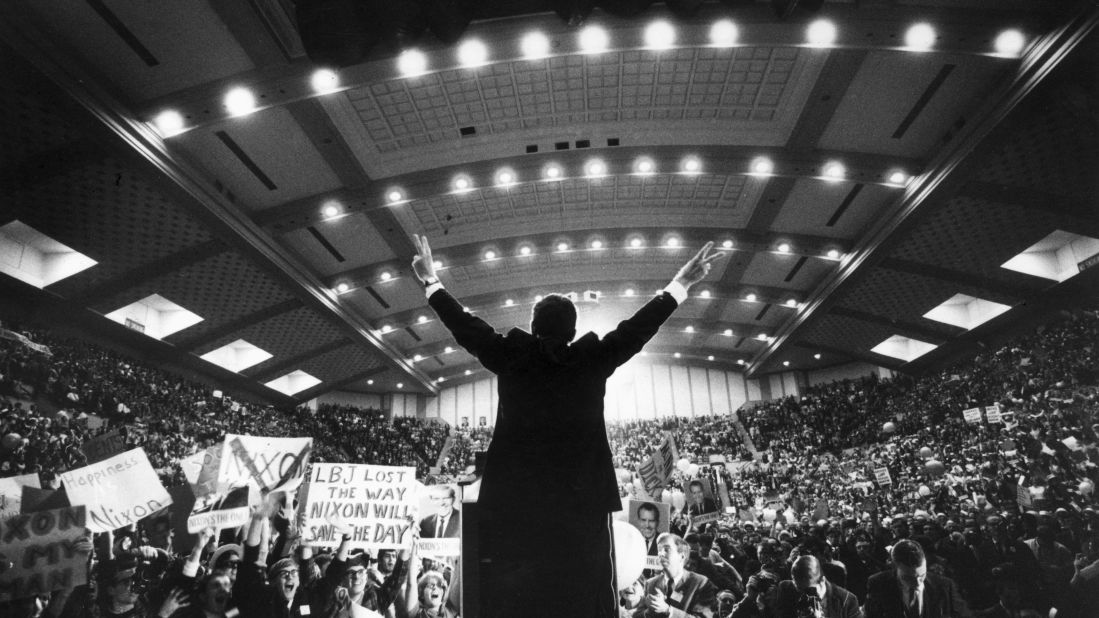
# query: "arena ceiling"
(858, 184)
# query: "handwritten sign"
(658, 467)
(271, 464)
(41, 550)
(881, 475)
(201, 471)
(373, 501)
(117, 491)
(103, 447)
(972, 415)
(11, 492)
(992, 413)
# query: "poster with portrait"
(702, 503)
(440, 524)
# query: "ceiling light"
(400, 384)
(342, 288)
(689, 329)
(728, 332)
(833, 254)
(678, 355)
(704, 294)
(816, 356)
(644, 166)
(524, 250)
(784, 248)
(597, 244)
(898, 178)
(593, 40)
(437, 264)
(596, 167)
(710, 357)
(762, 336)
(740, 361)
(834, 170)
(330, 210)
(422, 319)
(468, 372)
(723, 34)
(636, 242)
(324, 80)
(821, 33)
(394, 196)
(538, 298)
(505, 177)
(534, 45)
(386, 328)
(553, 171)
(630, 292)
(370, 381)
(386, 275)
(441, 379)
(1010, 43)
(793, 302)
(472, 53)
(417, 358)
(412, 62)
(562, 246)
(462, 183)
(763, 166)
(728, 244)
(750, 298)
(169, 122)
(659, 35)
(448, 350)
(240, 101)
(692, 165)
(919, 37)
(490, 255)
(509, 302)
(785, 363)
(672, 242)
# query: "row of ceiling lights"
(241, 101)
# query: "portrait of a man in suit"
(446, 521)
(699, 503)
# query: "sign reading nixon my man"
(41, 550)
(117, 491)
(375, 501)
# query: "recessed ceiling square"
(294, 382)
(965, 311)
(155, 316)
(903, 348)
(236, 356)
(36, 259)
(1057, 256)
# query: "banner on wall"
(656, 469)
(39, 553)
(372, 502)
(117, 491)
(271, 464)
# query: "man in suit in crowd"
(549, 485)
(910, 591)
(677, 592)
(446, 522)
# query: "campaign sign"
(272, 464)
(992, 414)
(40, 552)
(881, 475)
(11, 492)
(201, 471)
(972, 415)
(372, 502)
(117, 491)
(102, 447)
(439, 548)
(657, 468)
(227, 511)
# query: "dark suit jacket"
(884, 598)
(837, 601)
(453, 525)
(549, 454)
(694, 596)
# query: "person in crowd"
(861, 566)
(809, 593)
(676, 592)
(549, 483)
(909, 590)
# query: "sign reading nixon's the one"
(375, 501)
(117, 491)
(39, 551)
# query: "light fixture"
(422, 319)
(678, 355)
(833, 171)
(785, 363)
(659, 35)
(710, 357)
(462, 183)
(448, 350)
(330, 209)
(343, 288)
(562, 246)
(394, 195)
(440, 379)
(597, 244)
(524, 250)
(740, 361)
(817, 356)
(538, 298)
(468, 372)
(821, 33)
(412, 62)
(750, 298)
(728, 244)
(784, 248)
(672, 242)
(723, 33)
(704, 294)
(472, 53)
(370, 382)
(689, 329)
(490, 255)
(630, 292)
(644, 166)
(792, 302)
(400, 384)
(898, 178)
(728, 332)
(324, 80)
(553, 171)
(437, 264)
(169, 122)
(762, 336)
(593, 40)
(534, 45)
(240, 101)
(636, 242)
(1010, 43)
(385, 276)
(595, 167)
(919, 37)
(762, 166)
(386, 328)
(833, 254)
(509, 302)
(417, 358)
(691, 165)
(505, 177)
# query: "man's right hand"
(423, 266)
(698, 267)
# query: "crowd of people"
(856, 484)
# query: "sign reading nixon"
(40, 553)
(117, 491)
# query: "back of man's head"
(554, 317)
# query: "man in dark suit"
(808, 593)
(699, 503)
(909, 591)
(446, 522)
(677, 592)
(549, 485)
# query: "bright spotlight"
(898, 178)
(240, 101)
(728, 244)
(728, 332)
(763, 166)
(490, 255)
(751, 298)
(636, 243)
(692, 165)
(597, 244)
(462, 183)
(422, 319)
(509, 302)
(343, 288)
(472, 53)
(505, 177)
(168, 123)
(689, 329)
(833, 254)
(1010, 43)
(412, 62)
(593, 40)
(723, 34)
(394, 196)
(710, 357)
(553, 172)
(324, 80)
(644, 166)
(534, 45)
(672, 242)
(920, 37)
(386, 328)
(678, 355)
(562, 246)
(596, 168)
(704, 294)
(629, 292)
(524, 250)
(834, 171)
(659, 35)
(792, 302)
(386, 275)
(784, 248)
(821, 33)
